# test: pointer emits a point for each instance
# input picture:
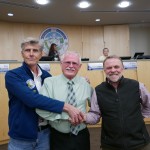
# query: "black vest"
(123, 127)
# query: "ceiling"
(66, 12)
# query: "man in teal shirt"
(56, 87)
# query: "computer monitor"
(137, 54)
(125, 57)
(144, 57)
(45, 58)
(84, 59)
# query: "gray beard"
(114, 81)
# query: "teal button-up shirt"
(56, 87)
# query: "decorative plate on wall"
(54, 35)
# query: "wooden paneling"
(130, 73)
(55, 69)
(87, 40)
(93, 41)
(95, 76)
(3, 110)
(74, 34)
(4, 107)
(116, 38)
(143, 73)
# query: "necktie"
(72, 101)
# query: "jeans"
(42, 142)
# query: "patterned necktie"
(72, 101)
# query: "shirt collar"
(66, 79)
(39, 72)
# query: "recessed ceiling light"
(84, 4)
(10, 14)
(124, 4)
(97, 20)
(42, 2)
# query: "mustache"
(72, 69)
(113, 74)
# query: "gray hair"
(113, 56)
(32, 41)
(70, 53)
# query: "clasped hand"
(75, 115)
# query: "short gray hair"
(32, 41)
(113, 56)
(70, 53)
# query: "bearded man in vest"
(123, 104)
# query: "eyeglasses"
(68, 63)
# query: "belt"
(40, 128)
